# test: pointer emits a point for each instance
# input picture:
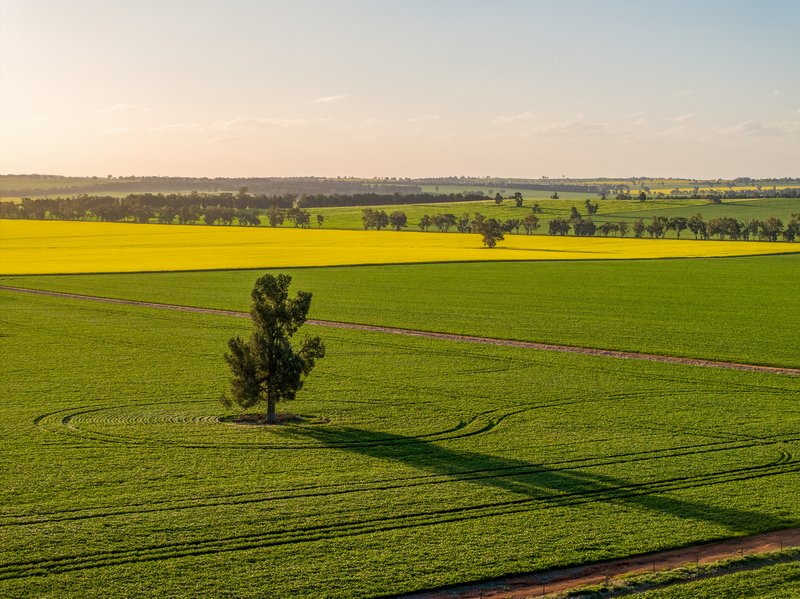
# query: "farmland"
(744, 210)
(415, 463)
(419, 463)
(776, 581)
(707, 308)
(43, 247)
(608, 210)
(350, 217)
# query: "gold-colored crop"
(44, 247)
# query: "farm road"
(434, 335)
(564, 579)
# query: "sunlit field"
(417, 463)
(42, 247)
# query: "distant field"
(742, 309)
(529, 194)
(744, 210)
(41, 247)
(43, 185)
(420, 463)
(664, 186)
(350, 217)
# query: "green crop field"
(350, 217)
(780, 581)
(417, 463)
(737, 309)
(744, 210)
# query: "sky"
(576, 88)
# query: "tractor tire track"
(571, 349)
(477, 475)
(359, 526)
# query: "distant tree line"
(272, 186)
(375, 199)
(715, 196)
(192, 207)
(246, 209)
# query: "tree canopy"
(267, 368)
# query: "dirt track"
(563, 579)
(433, 335)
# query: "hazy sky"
(401, 88)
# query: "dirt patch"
(283, 418)
(572, 349)
(563, 579)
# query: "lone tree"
(266, 368)
(491, 231)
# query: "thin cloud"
(577, 125)
(121, 108)
(682, 118)
(176, 127)
(328, 99)
(246, 123)
(677, 131)
(423, 118)
(115, 131)
(634, 115)
(523, 116)
(758, 129)
(225, 139)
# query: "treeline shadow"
(544, 486)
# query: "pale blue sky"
(412, 88)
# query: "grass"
(442, 462)
(777, 581)
(350, 217)
(777, 573)
(42, 247)
(740, 309)
(746, 210)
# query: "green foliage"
(374, 219)
(491, 232)
(267, 369)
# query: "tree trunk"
(271, 419)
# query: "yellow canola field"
(49, 247)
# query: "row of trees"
(21, 185)
(715, 196)
(725, 227)
(124, 209)
(133, 207)
(184, 214)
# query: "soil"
(563, 579)
(627, 355)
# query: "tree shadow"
(556, 485)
